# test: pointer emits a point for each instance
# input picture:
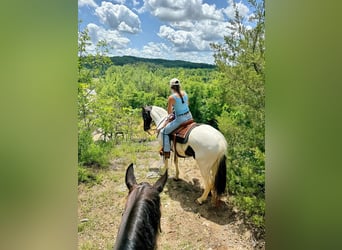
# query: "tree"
(242, 59)
(245, 44)
(83, 42)
(101, 61)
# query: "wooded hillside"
(122, 60)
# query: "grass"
(115, 177)
(88, 245)
(81, 226)
(128, 148)
(186, 245)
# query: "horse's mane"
(141, 219)
(162, 112)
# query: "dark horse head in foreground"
(140, 222)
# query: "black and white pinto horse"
(140, 223)
(206, 144)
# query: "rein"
(157, 125)
(148, 131)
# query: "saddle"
(181, 134)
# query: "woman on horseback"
(177, 108)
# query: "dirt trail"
(184, 224)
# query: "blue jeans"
(171, 127)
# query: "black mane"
(141, 219)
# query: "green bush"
(87, 176)
(91, 153)
(246, 166)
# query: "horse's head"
(131, 182)
(140, 222)
(146, 115)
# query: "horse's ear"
(130, 178)
(147, 108)
(160, 183)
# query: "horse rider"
(178, 113)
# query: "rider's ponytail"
(176, 88)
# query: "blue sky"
(168, 29)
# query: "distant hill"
(122, 60)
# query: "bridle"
(155, 129)
(150, 118)
(149, 131)
(157, 125)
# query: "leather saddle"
(181, 134)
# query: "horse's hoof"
(217, 204)
(198, 202)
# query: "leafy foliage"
(87, 176)
(92, 153)
(241, 58)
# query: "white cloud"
(155, 50)
(181, 10)
(118, 17)
(210, 12)
(183, 25)
(212, 31)
(150, 50)
(194, 36)
(90, 3)
(112, 37)
(230, 10)
(135, 2)
(195, 56)
(183, 40)
(190, 27)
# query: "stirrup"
(161, 151)
(166, 155)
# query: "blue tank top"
(179, 107)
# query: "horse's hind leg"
(207, 188)
(207, 178)
(204, 195)
(176, 164)
(214, 198)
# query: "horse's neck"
(158, 114)
(134, 222)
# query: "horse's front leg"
(166, 165)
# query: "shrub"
(91, 153)
(87, 176)
(246, 167)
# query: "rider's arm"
(170, 103)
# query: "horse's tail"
(221, 176)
